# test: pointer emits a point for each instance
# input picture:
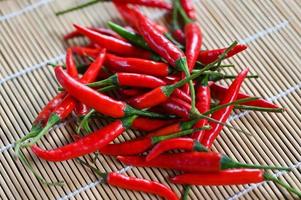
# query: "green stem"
(270, 177)
(186, 189)
(225, 76)
(84, 123)
(133, 111)
(186, 19)
(235, 103)
(53, 119)
(112, 80)
(228, 163)
(83, 5)
(130, 36)
(94, 169)
(107, 88)
(170, 38)
(157, 139)
(197, 146)
(261, 109)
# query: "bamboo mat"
(30, 37)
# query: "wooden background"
(31, 36)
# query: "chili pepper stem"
(261, 109)
(109, 81)
(182, 13)
(228, 163)
(270, 177)
(53, 119)
(133, 111)
(83, 5)
(107, 88)
(233, 76)
(157, 139)
(84, 123)
(199, 147)
(94, 169)
(186, 189)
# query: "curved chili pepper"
(68, 104)
(87, 144)
(100, 102)
(223, 114)
(84, 51)
(175, 143)
(114, 45)
(148, 124)
(132, 92)
(209, 56)
(128, 16)
(188, 8)
(181, 95)
(174, 108)
(179, 35)
(70, 64)
(136, 65)
(137, 146)
(192, 162)
(219, 92)
(104, 31)
(203, 101)
(131, 183)
(130, 79)
(231, 177)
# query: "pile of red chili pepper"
(157, 80)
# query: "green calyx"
(188, 124)
(133, 38)
(271, 177)
(128, 121)
(197, 146)
(112, 80)
(157, 139)
(228, 163)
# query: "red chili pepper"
(193, 43)
(188, 7)
(226, 177)
(137, 146)
(177, 107)
(175, 143)
(148, 3)
(231, 177)
(81, 109)
(223, 114)
(136, 65)
(84, 51)
(70, 64)
(100, 102)
(131, 183)
(114, 45)
(87, 144)
(219, 92)
(129, 16)
(159, 95)
(181, 95)
(103, 31)
(208, 56)
(192, 162)
(179, 35)
(148, 124)
(171, 79)
(132, 92)
(131, 80)
(203, 101)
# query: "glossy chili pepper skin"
(174, 108)
(148, 124)
(188, 162)
(104, 31)
(48, 109)
(219, 92)
(138, 80)
(85, 51)
(131, 92)
(203, 101)
(188, 8)
(208, 56)
(136, 65)
(148, 3)
(179, 35)
(156, 40)
(119, 180)
(85, 145)
(70, 64)
(172, 144)
(129, 16)
(193, 43)
(226, 177)
(181, 95)
(114, 45)
(90, 97)
(223, 114)
(154, 97)
(132, 147)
